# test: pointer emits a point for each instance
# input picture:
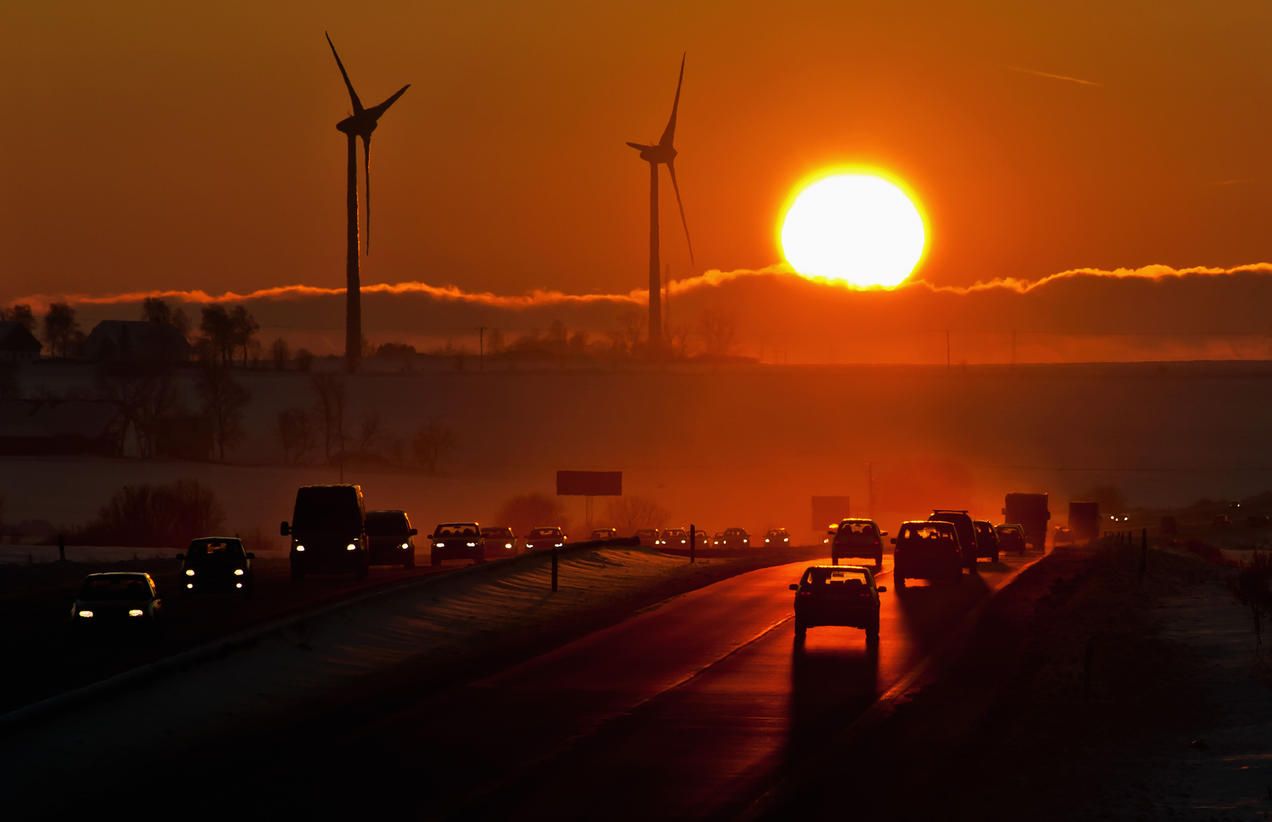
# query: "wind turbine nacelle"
(356, 126)
(656, 154)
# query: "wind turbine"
(661, 153)
(361, 123)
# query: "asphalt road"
(51, 663)
(689, 709)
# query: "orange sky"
(158, 145)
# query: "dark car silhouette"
(117, 602)
(838, 595)
(390, 538)
(732, 538)
(1011, 537)
(777, 538)
(927, 550)
(604, 534)
(858, 538)
(966, 529)
(674, 538)
(545, 538)
(498, 539)
(987, 540)
(457, 540)
(216, 564)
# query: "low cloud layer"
(1153, 312)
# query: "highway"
(689, 709)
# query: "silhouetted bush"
(526, 511)
(168, 515)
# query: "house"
(136, 341)
(17, 344)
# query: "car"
(648, 536)
(674, 538)
(1011, 537)
(390, 538)
(838, 595)
(456, 540)
(498, 539)
(857, 538)
(216, 564)
(545, 538)
(986, 540)
(732, 538)
(1064, 536)
(604, 534)
(117, 602)
(927, 550)
(963, 526)
(777, 538)
(328, 531)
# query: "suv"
(838, 595)
(499, 539)
(857, 538)
(675, 537)
(648, 537)
(777, 537)
(927, 550)
(545, 537)
(117, 601)
(389, 538)
(327, 530)
(962, 522)
(986, 540)
(216, 563)
(456, 540)
(1011, 537)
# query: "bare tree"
(280, 354)
(223, 400)
(628, 514)
(431, 443)
(719, 333)
(329, 402)
(369, 432)
(218, 333)
(60, 328)
(243, 328)
(295, 434)
(145, 396)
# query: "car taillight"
(805, 593)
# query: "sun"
(857, 229)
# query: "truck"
(1031, 513)
(328, 531)
(1084, 521)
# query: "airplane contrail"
(1050, 76)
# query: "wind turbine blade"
(671, 168)
(669, 134)
(383, 107)
(353, 95)
(639, 146)
(366, 176)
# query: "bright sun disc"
(856, 229)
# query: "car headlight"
(189, 584)
(300, 547)
(85, 614)
(559, 545)
(189, 572)
(238, 572)
(351, 547)
(405, 546)
(136, 612)
(439, 545)
(238, 585)
(766, 539)
(472, 545)
(786, 539)
(508, 545)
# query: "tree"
(167, 515)
(156, 310)
(60, 329)
(526, 511)
(369, 433)
(628, 514)
(218, 333)
(329, 395)
(223, 401)
(431, 443)
(295, 434)
(304, 360)
(280, 354)
(20, 314)
(243, 328)
(145, 396)
(719, 333)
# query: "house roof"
(136, 339)
(15, 337)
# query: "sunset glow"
(857, 229)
